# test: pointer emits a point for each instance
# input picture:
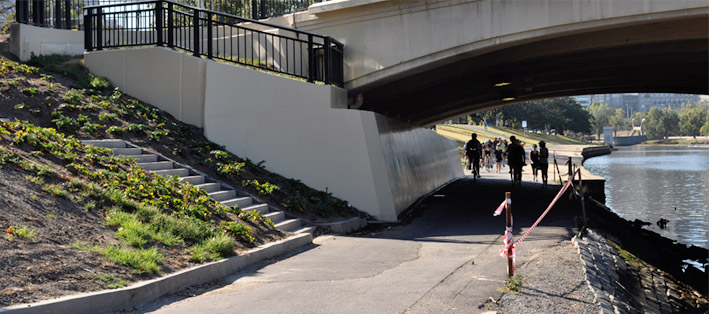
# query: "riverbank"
(663, 253)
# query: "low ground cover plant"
(143, 213)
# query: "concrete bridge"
(425, 61)
(410, 63)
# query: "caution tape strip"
(558, 195)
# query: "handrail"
(215, 35)
(66, 14)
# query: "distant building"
(642, 102)
(665, 100)
(584, 100)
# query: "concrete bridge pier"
(301, 130)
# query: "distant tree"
(705, 128)
(662, 123)
(692, 119)
(617, 121)
(555, 113)
(601, 113)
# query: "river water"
(654, 182)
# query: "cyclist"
(487, 153)
(472, 153)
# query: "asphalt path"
(444, 257)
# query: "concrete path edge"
(150, 290)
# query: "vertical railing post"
(22, 11)
(170, 25)
(58, 14)
(195, 23)
(254, 9)
(327, 61)
(34, 17)
(508, 233)
(88, 30)
(41, 10)
(311, 59)
(262, 10)
(159, 23)
(583, 205)
(210, 40)
(67, 14)
(99, 29)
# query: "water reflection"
(654, 182)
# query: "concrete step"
(222, 195)
(209, 187)
(144, 157)
(156, 165)
(276, 217)
(261, 208)
(288, 225)
(239, 201)
(182, 172)
(105, 143)
(193, 179)
(302, 229)
(127, 151)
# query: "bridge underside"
(665, 57)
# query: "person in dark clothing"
(543, 162)
(498, 158)
(516, 158)
(472, 153)
(534, 159)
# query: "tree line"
(691, 120)
(566, 114)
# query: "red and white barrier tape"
(499, 209)
(558, 195)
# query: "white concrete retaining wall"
(26, 40)
(171, 81)
(379, 165)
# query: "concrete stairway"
(217, 191)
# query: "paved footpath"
(445, 260)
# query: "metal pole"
(23, 11)
(57, 14)
(195, 23)
(583, 206)
(254, 9)
(311, 59)
(170, 28)
(99, 29)
(159, 21)
(209, 35)
(508, 225)
(67, 15)
(327, 61)
(88, 30)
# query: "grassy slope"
(147, 224)
(462, 133)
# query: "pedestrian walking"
(516, 159)
(544, 162)
(498, 158)
(534, 160)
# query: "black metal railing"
(67, 14)
(215, 35)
